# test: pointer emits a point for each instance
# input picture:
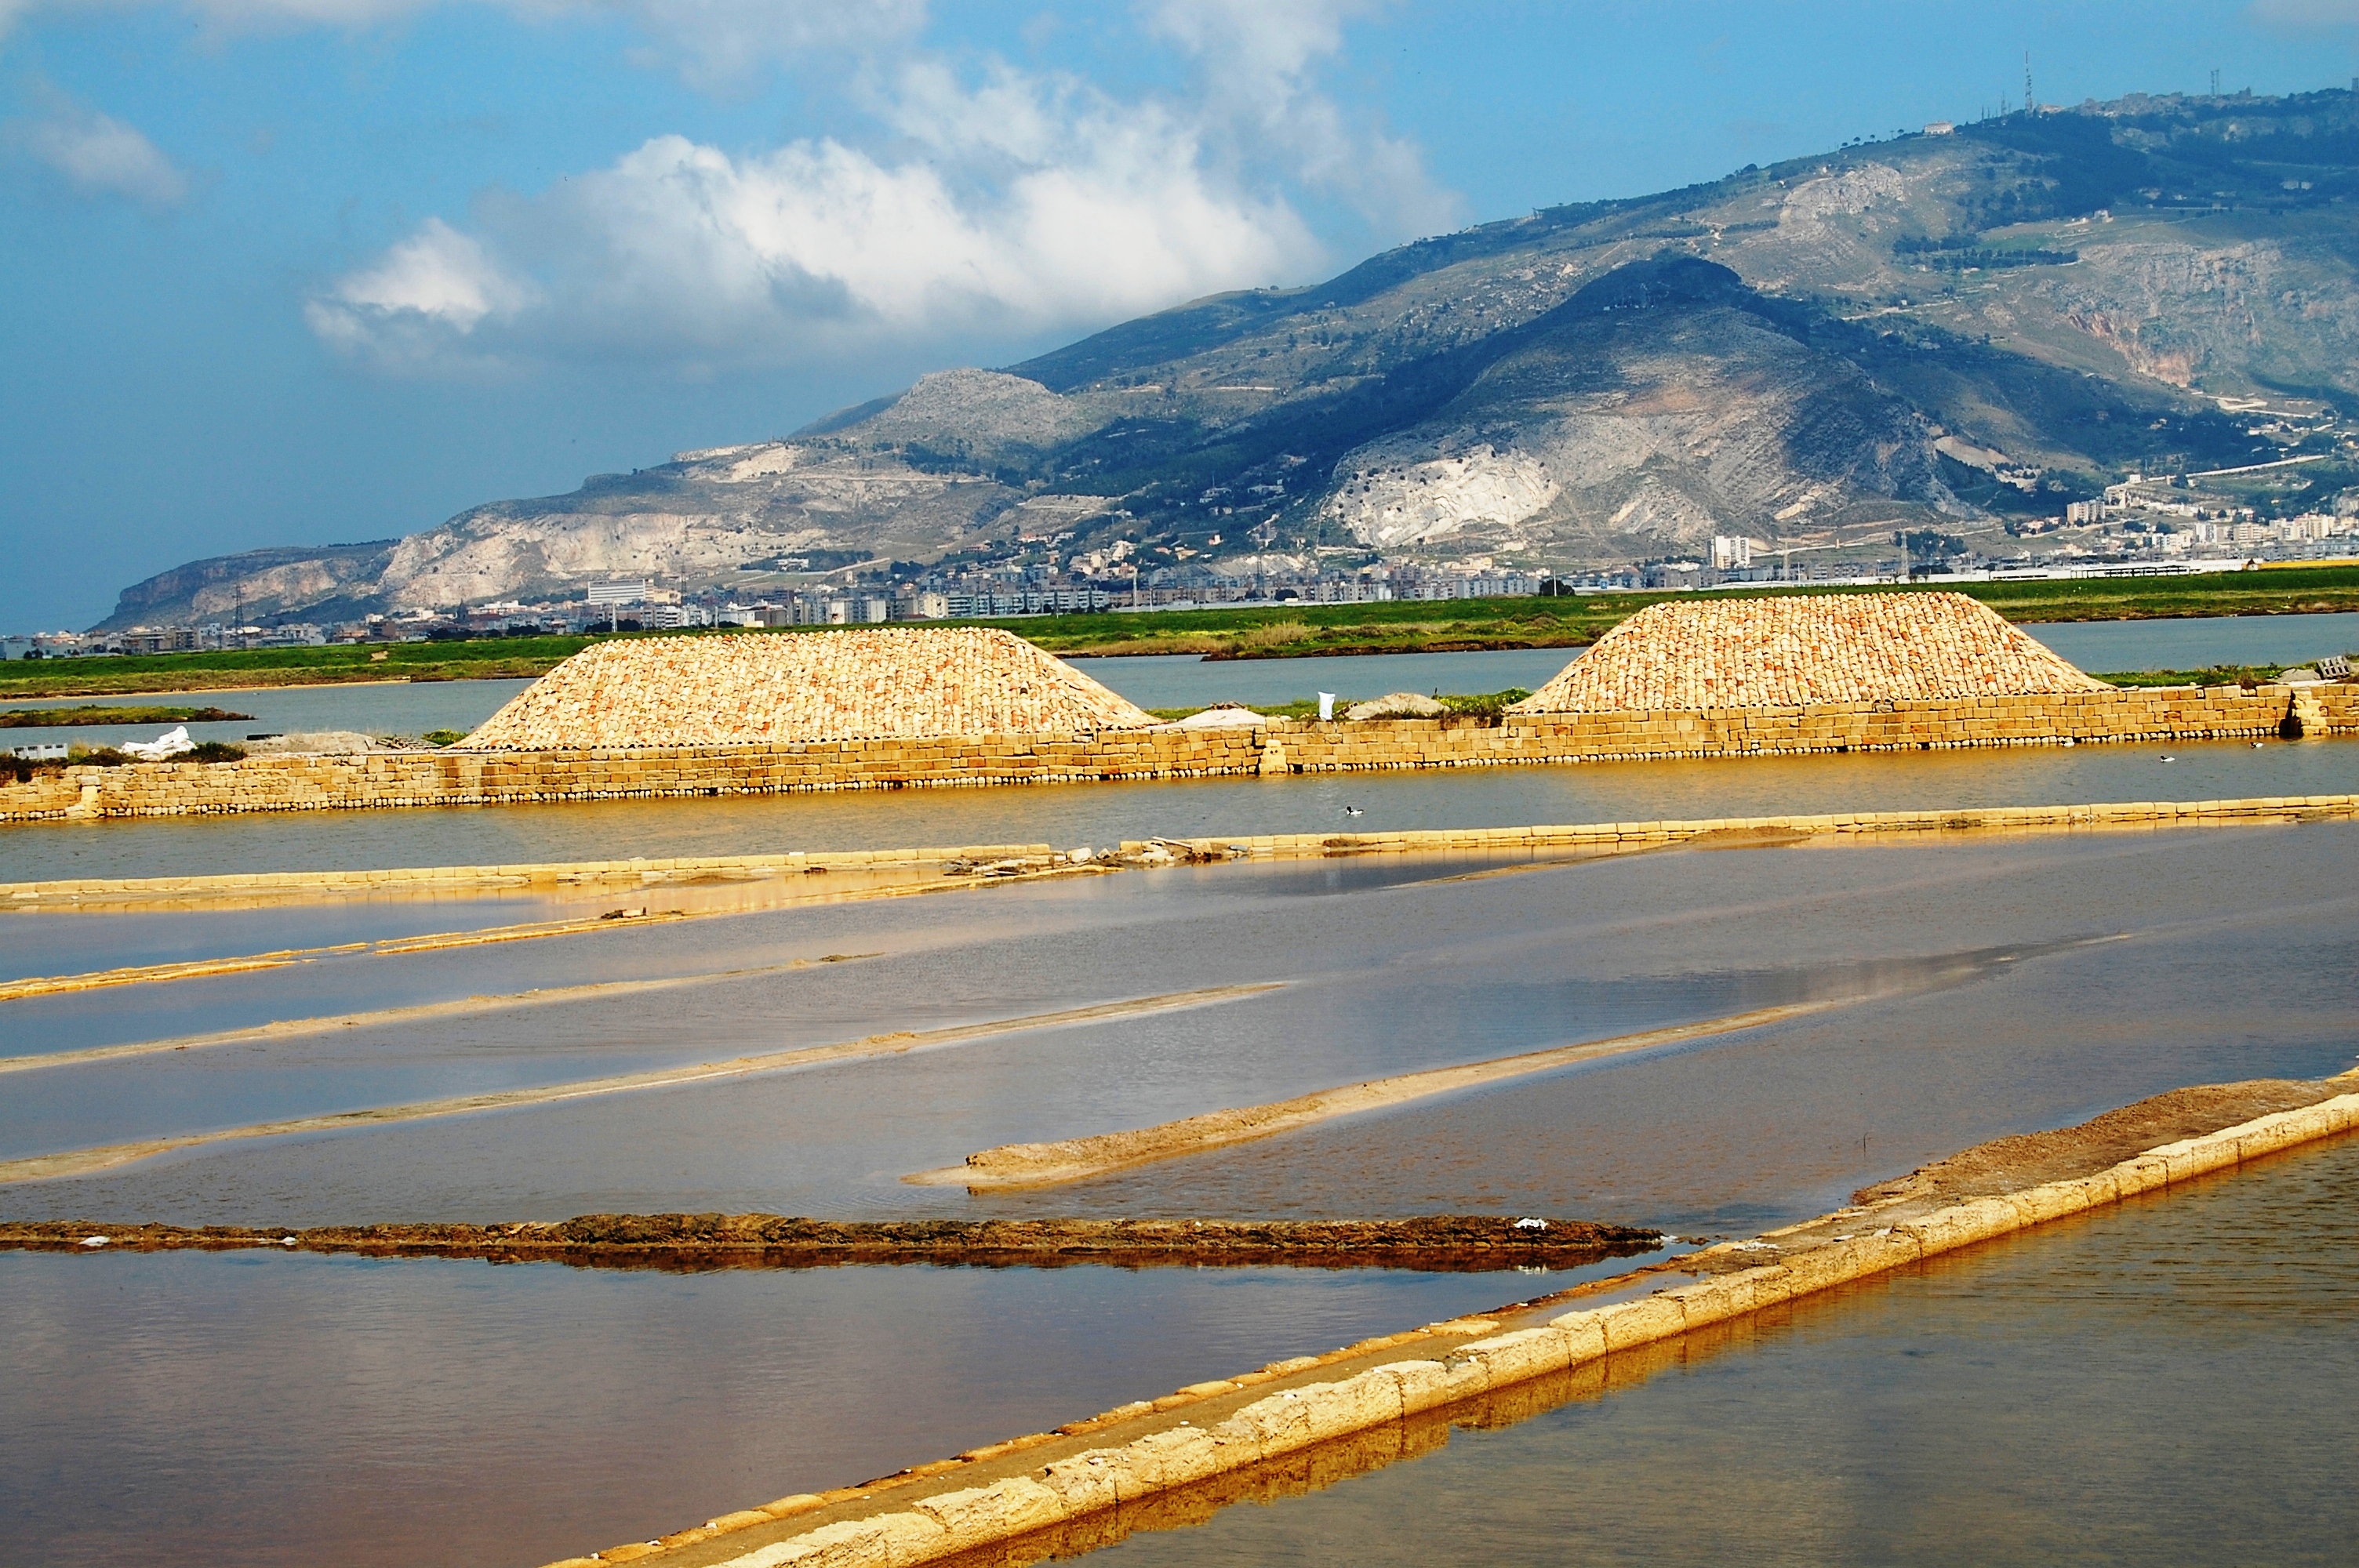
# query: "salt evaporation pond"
(2166, 1382)
(1989, 984)
(294, 1409)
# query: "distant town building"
(159, 640)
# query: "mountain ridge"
(1931, 331)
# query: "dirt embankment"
(2026, 1159)
(1445, 1243)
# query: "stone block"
(1962, 1223)
(887, 1541)
(1185, 1454)
(1518, 1357)
(1629, 1323)
(980, 1516)
(1279, 1423)
(1424, 1385)
(1355, 1404)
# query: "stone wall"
(480, 778)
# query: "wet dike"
(1300, 1424)
(1445, 1243)
(1276, 747)
(886, 872)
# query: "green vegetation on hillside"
(1273, 632)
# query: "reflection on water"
(2166, 1382)
(1064, 816)
(263, 1409)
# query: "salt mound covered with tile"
(1791, 651)
(770, 689)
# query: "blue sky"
(305, 271)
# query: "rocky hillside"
(1875, 339)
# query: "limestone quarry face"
(777, 688)
(1652, 417)
(1388, 500)
(1792, 651)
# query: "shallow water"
(1067, 815)
(2165, 1382)
(390, 708)
(261, 1408)
(1989, 985)
(2110, 648)
(301, 1409)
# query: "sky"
(299, 272)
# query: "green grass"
(1271, 631)
(99, 713)
(485, 660)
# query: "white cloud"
(431, 290)
(1008, 201)
(1023, 203)
(98, 154)
(1257, 62)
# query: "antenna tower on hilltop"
(2215, 83)
(2030, 104)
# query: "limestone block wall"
(480, 778)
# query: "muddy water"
(1988, 986)
(2168, 1382)
(1104, 814)
(265, 1409)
